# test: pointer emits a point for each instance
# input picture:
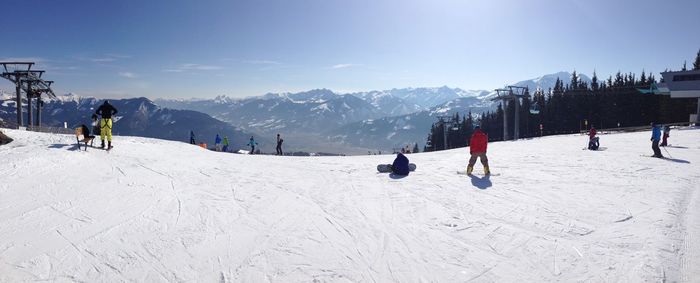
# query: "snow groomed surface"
(155, 211)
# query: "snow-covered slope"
(155, 211)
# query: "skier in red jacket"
(477, 148)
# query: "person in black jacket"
(400, 165)
(279, 144)
(106, 110)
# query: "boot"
(487, 171)
(109, 145)
(470, 169)
(103, 144)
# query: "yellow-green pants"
(106, 129)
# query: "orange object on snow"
(203, 145)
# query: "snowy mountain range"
(319, 118)
(372, 119)
(319, 110)
(136, 117)
(547, 82)
(398, 131)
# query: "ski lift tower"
(511, 93)
(36, 88)
(446, 121)
(29, 81)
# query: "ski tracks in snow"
(197, 215)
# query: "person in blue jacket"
(192, 138)
(252, 143)
(655, 138)
(217, 142)
(400, 165)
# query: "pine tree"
(562, 109)
(574, 81)
(594, 82)
(558, 87)
(415, 148)
(696, 64)
(619, 80)
(684, 67)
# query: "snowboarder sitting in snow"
(655, 137)
(400, 165)
(477, 149)
(594, 143)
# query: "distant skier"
(95, 125)
(400, 165)
(192, 138)
(477, 148)
(106, 110)
(217, 143)
(655, 137)
(279, 144)
(252, 144)
(667, 132)
(225, 149)
(593, 141)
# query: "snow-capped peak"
(69, 97)
(223, 99)
(547, 81)
(6, 95)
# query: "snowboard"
(478, 173)
(386, 168)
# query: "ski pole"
(669, 155)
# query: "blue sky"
(182, 48)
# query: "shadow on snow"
(71, 147)
(481, 182)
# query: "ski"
(652, 156)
